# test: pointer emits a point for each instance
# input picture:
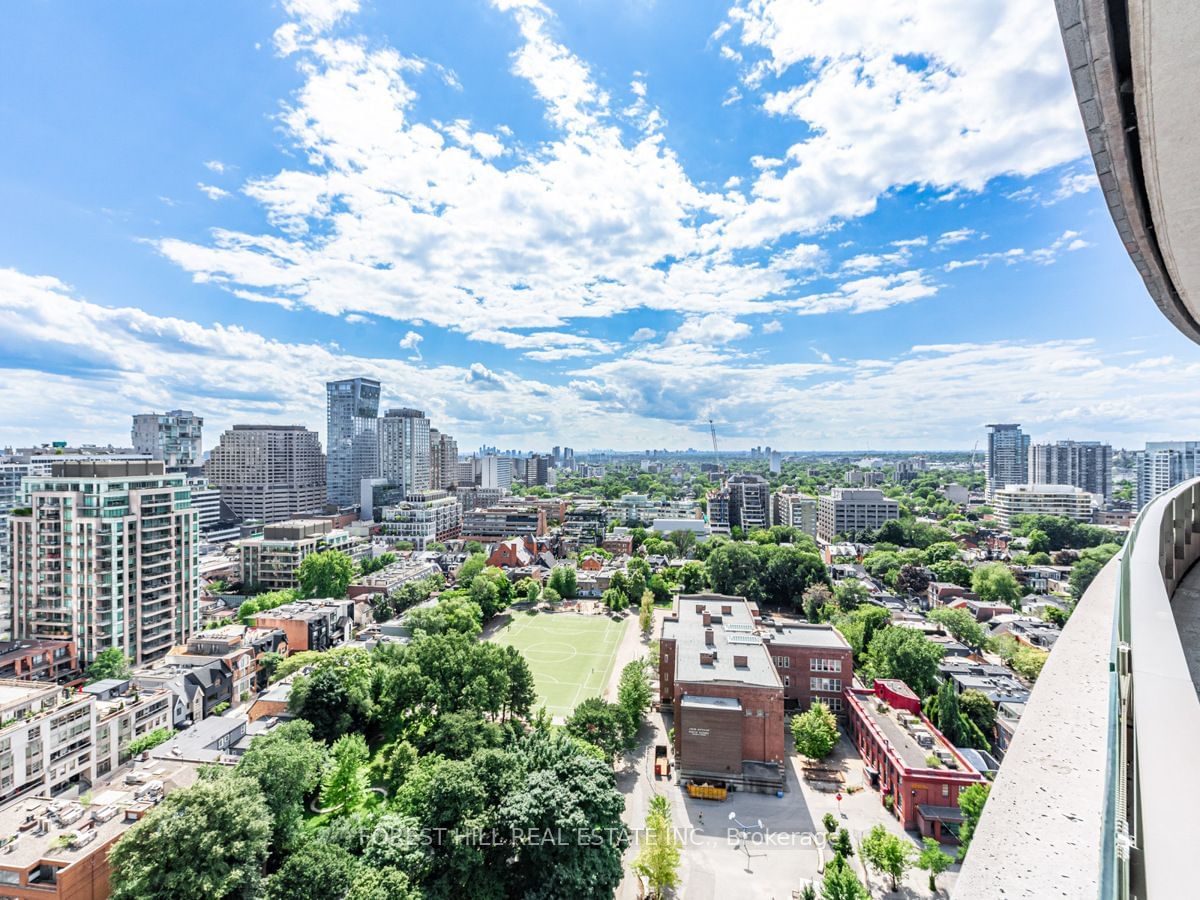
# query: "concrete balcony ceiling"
(1135, 73)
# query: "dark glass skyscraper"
(352, 443)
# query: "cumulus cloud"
(944, 95)
(772, 327)
(69, 364)
(715, 328)
(643, 334)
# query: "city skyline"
(228, 241)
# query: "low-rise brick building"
(906, 758)
(728, 678)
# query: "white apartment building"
(633, 508)
(496, 472)
(1043, 500)
(1007, 456)
(795, 510)
(423, 518)
(173, 437)
(851, 510)
(1085, 464)
(268, 473)
(106, 554)
(749, 502)
(271, 561)
(54, 737)
(1163, 465)
(443, 460)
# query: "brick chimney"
(708, 636)
(707, 618)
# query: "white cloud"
(1074, 183)
(946, 94)
(869, 294)
(643, 334)
(212, 192)
(410, 341)
(772, 327)
(215, 165)
(715, 328)
(109, 362)
(955, 237)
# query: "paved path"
(633, 646)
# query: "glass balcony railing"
(1096, 796)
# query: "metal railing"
(1149, 834)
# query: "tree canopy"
(327, 573)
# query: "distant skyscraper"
(173, 437)
(1085, 464)
(353, 453)
(1165, 464)
(268, 473)
(404, 450)
(1007, 457)
(106, 554)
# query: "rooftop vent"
(740, 662)
(708, 637)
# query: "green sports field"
(571, 655)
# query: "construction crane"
(973, 452)
(716, 453)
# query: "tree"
(268, 663)
(933, 861)
(842, 846)
(646, 614)
(970, 803)
(382, 884)
(1090, 562)
(912, 580)
(286, 763)
(460, 615)
(315, 872)
(615, 599)
(550, 595)
(564, 581)
(659, 589)
(961, 625)
(324, 700)
(473, 565)
(785, 573)
(860, 627)
(658, 857)
(1039, 541)
(840, 883)
(204, 842)
(1028, 661)
(830, 823)
(563, 789)
(815, 731)
(979, 710)
(485, 594)
(816, 598)
(110, 663)
(600, 724)
(693, 577)
(150, 741)
(344, 784)
(904, 653)
(948, 713)
(325, 574)
(995, 583)
(942, 551)
(633, 697)
(887, 854)
(684, 541)
(952, 571)
(733, 568)
(849, 594)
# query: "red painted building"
(908, 759)
(814, 662)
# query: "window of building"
(825, 665)
(782, 662)
(945, 790)
(787, 680)
(825, 684)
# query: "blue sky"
(852, 225)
